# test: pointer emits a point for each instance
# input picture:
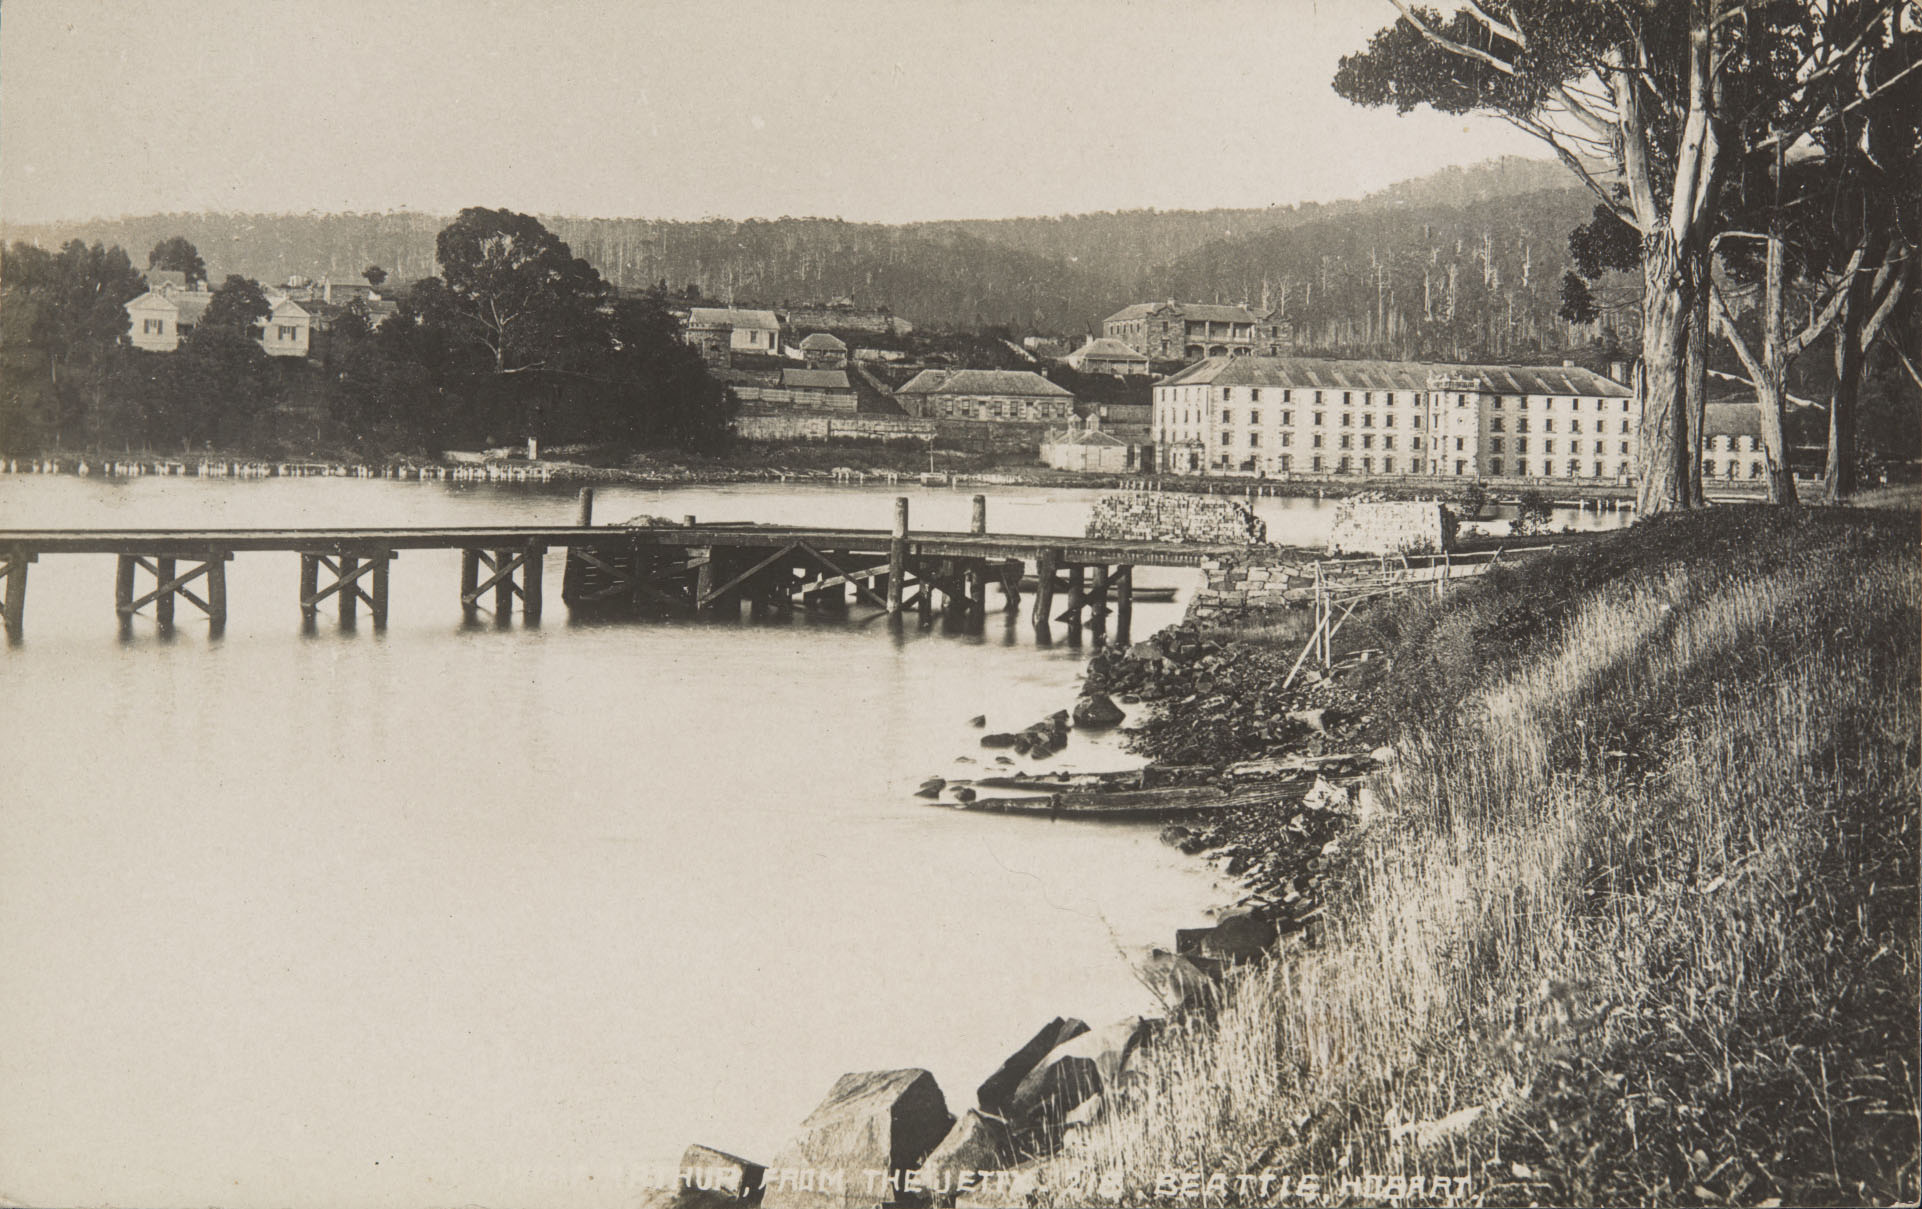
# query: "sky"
(890, 112)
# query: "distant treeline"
(1333, 265)
(513, 337)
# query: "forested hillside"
(1466, 262)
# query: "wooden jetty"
(688, 567)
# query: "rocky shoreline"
(1292, 768)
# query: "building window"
(1598, 470)
(1548, 425)
(1417, 422)
(1415, 444)
(1347, 442)
(1522, 402)
(1287, 417)
(1574, 468)
(1388, 420)
(1347, 398)
(1317, 402)
(288, 331)
(1346, 467)
(1624, 427)
(1494, 466)
(1227, 417)
(1494, 423)
(1367, 420)
(1574, 426)
(1286, 440)
(1316, 462)
(1287, 462)
(153, 327)
(1287, 396)
(1347, 419)
(1495, 445)
(1227, 437)
(1548, 447)
(1254, 417)
(1388, 465)
(1521, 444)
(1498, 402)
(1458, 446)
(1388, 442)
(1461, 467)
(1624, 448)
(1521, 425)
(1317, 443)
(1254, 440)
(1319, 417)
(1622, 470)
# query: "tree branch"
(1449, 44)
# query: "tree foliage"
(176, 254)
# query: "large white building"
(1297, 415)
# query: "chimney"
(327, 289)
(1568, 363)
(1618, 371)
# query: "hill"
(1507, 218)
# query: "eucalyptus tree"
(1645, 101)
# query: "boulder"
(999, 739)
(964, 795)
(997, 1093)
(979, 720)
(1314, 719)
(1181, 981)
(885, 1120)
(1238, 938)
(1175, 835)
(1096, 710)
(1326, 796)
(1071, 1073)
(976, 1143)
(931, 788)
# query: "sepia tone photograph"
(967, 604)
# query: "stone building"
(1190, 331)
(1105, 355)
(1287, 415)
(749, 331)
(984, 394)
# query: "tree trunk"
(1696, 389)
(1769, 384)
(1667, 307)
(1839, 482)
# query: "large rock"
(1097, 710)
(1070, 1073)
(1183, 982)
(884, 1120)
(1238, 938)
(976, 1143)
(996, 1094)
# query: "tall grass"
(1640, 922)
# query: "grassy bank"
(1638, 921)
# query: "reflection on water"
(448, 913)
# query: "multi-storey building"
(1288, 415)
(1188, 331)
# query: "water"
(454, 913)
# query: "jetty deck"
(691, 567)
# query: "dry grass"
(1640, 925)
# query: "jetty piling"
(685, 568)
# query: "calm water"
(461, 914)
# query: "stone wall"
(793, 424)
(1244, 587)
(1175, 517)
(1378, 526)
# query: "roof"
(1209, 311)
(158, 278)
(925, 382)
(189, 305)
(823, 342)
(714, 316)
(1104, 348)
(1731, 419)
(284, 306)
(997, 382)
(815, 379)
(1314, 373)
(1088, 436)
